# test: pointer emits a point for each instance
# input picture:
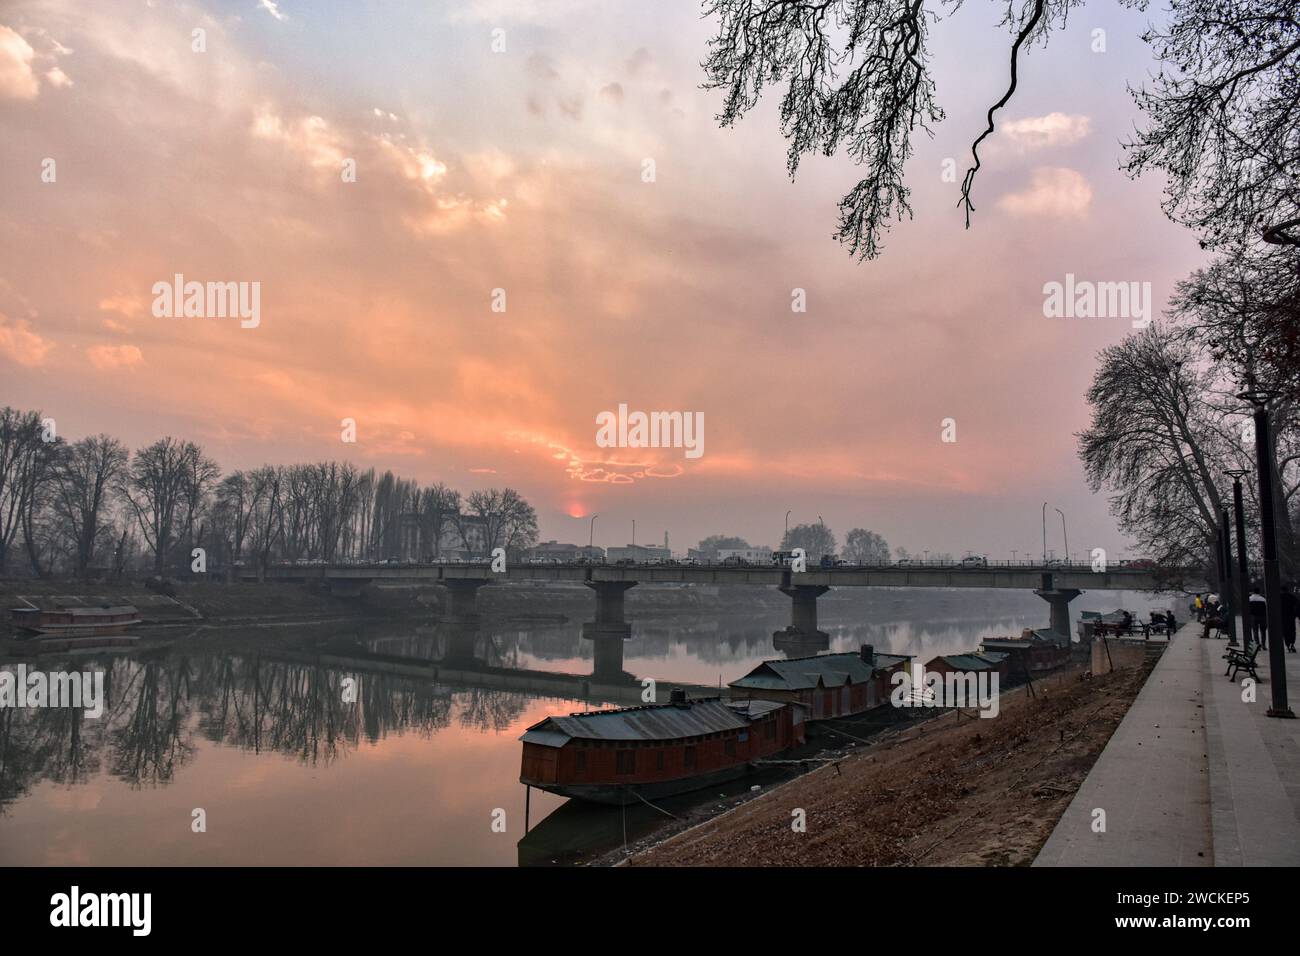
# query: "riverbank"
(947, 792)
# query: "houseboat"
(1031, 653)
(74, 622)
(620, 756)
(828, 685)
(972, 662)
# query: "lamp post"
(1242, 605)
(1223, 555)
(634, 532)
(1066, 535)
(1268, 541)
(787, 525)
(591, 537)
(1044, 532)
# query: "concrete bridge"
(1056, 584)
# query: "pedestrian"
(1258, 618)
(1170, 624)
(1198, 607)
(1290, 611)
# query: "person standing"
(1259, 618)
(1290, 611)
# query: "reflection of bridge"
(1058, 585)
(460, 666)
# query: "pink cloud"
(20, 344)
(17, 81)
(1054, 191)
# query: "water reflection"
(343, 745)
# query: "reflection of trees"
(59, 744)
(151, 740)
(46, 743)
(292, 707)
(491, 709)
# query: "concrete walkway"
(1193, 776)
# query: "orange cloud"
(20, 344)
(108, 357)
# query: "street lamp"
(1268, 541)
(1044, 532)
(1240, 605)
(634, 532)
(787, 524)
(1013, 555)
(591, 538)
(1066, 534)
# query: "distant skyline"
(522, 170)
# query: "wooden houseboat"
(972, 662)
(828, 685)
(1032, 652)
(74, 622)
(618, 756)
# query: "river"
(293, 748)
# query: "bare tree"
(439, 506)
(508, 521)
(84, 475)
(266, 515)
(26, 459)
(865, 547)
(815, 539)
(1224, 111)
(1240, 311)
(857, 77)
(163, 488)
(1157, 441)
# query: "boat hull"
(624, 794)
(77, 630)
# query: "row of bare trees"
(92, 506)
(1169, 419)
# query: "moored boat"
(76, 621)
(620, 756)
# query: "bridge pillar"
(803, 614)
(461, 637)
(1058, 599)
(610, 628)
(346, 587)
(462, 600)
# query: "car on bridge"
(974, 561)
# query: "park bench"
(1239, 660)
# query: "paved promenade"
(1193, 776)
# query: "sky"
(523, 169)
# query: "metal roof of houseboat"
(803, 673)
(654, 722)
(973, 662)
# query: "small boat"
(76, 621)
(640, 753)
(82, 645)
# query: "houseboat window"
(690, 758)
(626, 761)
(744, 735)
